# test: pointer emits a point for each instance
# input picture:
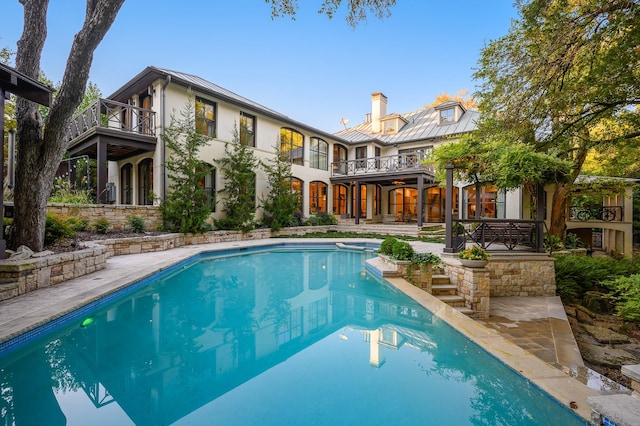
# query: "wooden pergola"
(12, 81)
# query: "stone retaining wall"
(22, 276)
(117, 215)
(472, 283)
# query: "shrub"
(322, 218)
(136, 224)
(474, 253)
(402, 250)
(552, 243)
(56, 228)
(101, 225)
(422, 259)
(77, 224)
(626, 294)
(571, 241)
(386, 247)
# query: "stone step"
(440, 279)
(8, 291)
(454, 301)
(444, 290)
(464, 310)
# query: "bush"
(56, 228)
(552, 243)
(136, 224)
(571, 241)
(321, 218)
(402, 251)
(386, 247)
(626, 294)
(77, 224)
(101, 225)
(422, 259)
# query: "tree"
(461, 96)
(185, 208)
(281, 203)
(41, 142)
(356, 10)
(563, 82)
(239, 169)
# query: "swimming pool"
(281, 336)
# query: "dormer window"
(392, 123)
(446, 116)
(389, 126)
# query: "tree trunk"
(40, 153)
(558, 217)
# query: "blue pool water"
(266, 337)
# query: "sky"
(315, 70)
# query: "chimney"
(378, 110)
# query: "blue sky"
(313, 69)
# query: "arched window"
(339, 199)
(317, 197)
(292, 143)
(297, 185)
(126, 190)
(490, 201)
(319, 154)
(145, 182)
(340, 155)
(208, 182)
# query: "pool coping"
(29, 311)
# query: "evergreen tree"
(281, 203)
(185, 208)
(239, 168)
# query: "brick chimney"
(378, 110)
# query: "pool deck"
(531, 335)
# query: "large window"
(247, 129)
(361, 155)
(490, 201)
(145, 182)
(339, 159)
(209, 184)
(126, 190)
(317, 197)
(206, 117)
(403, 203)
(339, 199)
(435, 203)
(363, 201)
(292, 143)
(319, 154)
(296, 185)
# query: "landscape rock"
(605, 335)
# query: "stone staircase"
(447, 293)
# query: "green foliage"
(63, 193)
(136, 224)
(552, 243)
(422, 259)
(239, 168)
(77, 224)
(474, 253)
(626, 295)
(56, 228)
(386, 247)
(101, 225)
(571, 241)
(321, 218)
(186, 208)
(282, 201)
(576, 275)
(402, 250)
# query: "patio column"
(448, 210)
(3, 243)
(357, 206)
(101, 161)
(540, 200)
(420, 199)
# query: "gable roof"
(423, 124)
(151, 73)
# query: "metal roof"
(423, 124)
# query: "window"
(317, 197)
(296, 185)
(247, 129)
(318, 314)
(126, 191)
(446, 116)
(491, 202)
(339, 159)
(339, 199)
(291, 327)
(292, 142)
(389, 126)
(145, 182)
(363, 201)
(403, 203)
(206, 117)
(361, 154)
(208, 182)
(319, 154)
(435, 203)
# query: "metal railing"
(110, 114)
(605, 213)
(499, 234)
(383, 164)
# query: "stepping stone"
(605, 335)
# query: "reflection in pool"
(283, 336)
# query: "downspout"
(162, 145)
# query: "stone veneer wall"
(22, 276)
(117, 215)
(472, 283)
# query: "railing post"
(448, 210)
(540, 199)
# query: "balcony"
(600, 213)
(385, 165)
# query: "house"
(373, 171)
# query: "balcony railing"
(108, 114)
(384, 164)
(607, 213)
(499, 234)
